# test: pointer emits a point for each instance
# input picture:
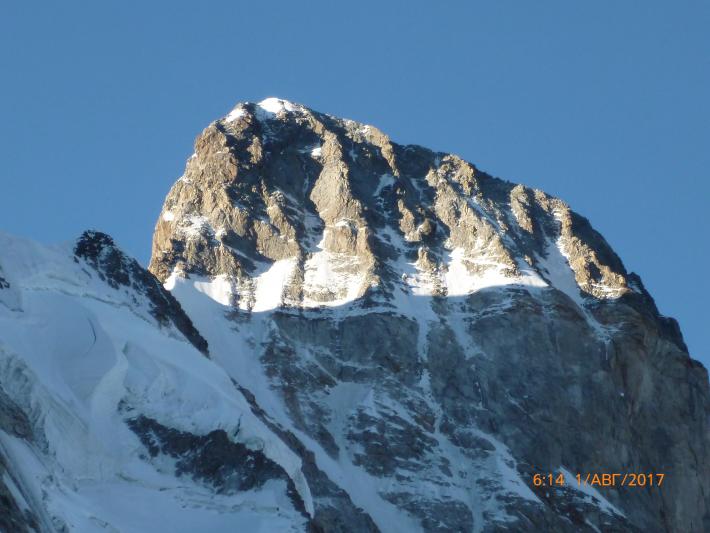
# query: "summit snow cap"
(267, 109)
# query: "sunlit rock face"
(350, 335)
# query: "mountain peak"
(445, 310)
(266, 109)
(398, 342)
(277, 105)
(276, 182)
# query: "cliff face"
(345, 334)
(434, 332)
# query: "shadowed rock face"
(13, 421)
(212, 459)
(435, 331)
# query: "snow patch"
(193, 226)
(235, 114)
(559, 272)
(270, 285)
(466, 275)
(218, 288)
(271, 107)
(332, 279)
(315, 150)
(386, 180)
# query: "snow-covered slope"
(84, 364)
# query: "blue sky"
(604, 104)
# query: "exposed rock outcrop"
(118, 270)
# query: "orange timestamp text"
(600, 479)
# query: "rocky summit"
(339, 333)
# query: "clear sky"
(605, 104)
